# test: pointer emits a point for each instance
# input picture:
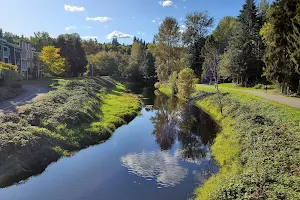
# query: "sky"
(105, 19)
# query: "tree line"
(259, 46)
(69, 55)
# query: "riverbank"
(77, 114)
(257, 149)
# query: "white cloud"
(101, 19)
(89, 27)
(153, 21)
(89, 37)
(105, 26)
(160, 166)
(185, 7)
(133, 17)
(140, 33)
(70, 27)
(118, 34)
(182, 26)
(74, 8)
(166, 3)
(181, 31)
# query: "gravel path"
(31, 91)
(293, 102)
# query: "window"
(0, 47)
(5, 48)
(6, 60)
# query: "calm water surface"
(164, 153)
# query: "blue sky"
(104, 19)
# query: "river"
(164, 153)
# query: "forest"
(261, 46)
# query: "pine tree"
(294, 40)
(244, 47)
(279, 66)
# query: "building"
(22, 55)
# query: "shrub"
(186, 83)
(259, 86)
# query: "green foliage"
(41, 39)
(186, 83)
(280, 68)
(173, 83)
(169, 54)
(257, 148)
(71, 48)
(242, 60)
(137, 58)
(8, 73)
(197, 27)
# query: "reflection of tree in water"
(194, 129)
(165, 129)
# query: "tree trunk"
(298, 90)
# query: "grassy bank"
(77, 114)
(257, 149)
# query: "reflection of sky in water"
(157, 165)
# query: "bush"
(259, 86)
(186, 83)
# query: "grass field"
(257, 148)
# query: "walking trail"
(290, 101)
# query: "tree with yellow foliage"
(51, 58)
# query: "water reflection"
(158, 165)
(189, 125)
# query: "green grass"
(77, 114)
(233, 86)
(257, 148)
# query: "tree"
(71, 48)
(197, 27)
(148, 67)
(262, 11)
(243, 55)
(169, 54)
(186, 82)
(51, 58)
(91, 47)
(211, 64)
(1, 33)
(41, 39)
(137, 59)
(279, 65)
(224, 32)
(294, 41)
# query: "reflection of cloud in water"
(159, 165)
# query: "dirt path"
(293, 102)
(31, 91)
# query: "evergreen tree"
(279, 65)
(294, 40)
(243, 56)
